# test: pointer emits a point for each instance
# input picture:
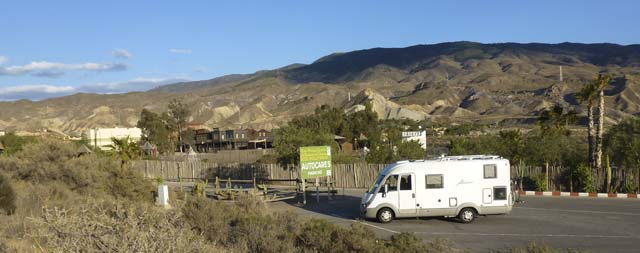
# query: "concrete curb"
(581, 194)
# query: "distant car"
(455, 186)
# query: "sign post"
(315, 162)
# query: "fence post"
(355, 177)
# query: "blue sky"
(55, 48)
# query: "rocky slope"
(460, 81)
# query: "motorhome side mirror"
(386, 189)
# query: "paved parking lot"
(589, 224)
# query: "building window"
(500, 193)
(490, 171)
(434, 181)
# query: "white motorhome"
(451, 186)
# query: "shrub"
(319, 235)
(536, 248)
(243, 225)
(406, 242)
(7, 196)
(113, 227)
(535, 183)
(208, 219)
(585, 180)
(55, 162)
(629, 187)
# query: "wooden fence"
(360, 175)
(344, 175)
(222, 156)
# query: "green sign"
(315, 161)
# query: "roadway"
(586, 224)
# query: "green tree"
(622, 144)
(179, 114)
(365, 124)
(289, 139)
(556, 117)
(155, 129)
(410, 150)
(125, 150)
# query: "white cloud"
(34, 92)
(200, 69)
(44, 91)
(136, 84)
(180, 51)
(3, 59)
(39, 67)
(122, 54)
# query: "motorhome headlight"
(366, 204)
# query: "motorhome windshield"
(375, 185)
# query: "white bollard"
(163, 195)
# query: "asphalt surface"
(585, 224)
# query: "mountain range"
(507, 83)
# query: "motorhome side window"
(490, 171)
(434, 181)
(500, 193)
(405, 182)
(392, 181)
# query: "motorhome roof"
(456, 158)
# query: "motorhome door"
(486, 195)
(407, 196)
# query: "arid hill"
(457, 81)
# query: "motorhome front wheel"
(385, 215)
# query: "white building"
(101, 137)
(419, 136)
(2, 132)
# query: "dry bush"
(247, 226)
(244, 225)
(53, 161)
(409, 242)
(7, 196)
(115, 227)
(533, 247)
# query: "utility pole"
(561, 78)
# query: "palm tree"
(124, 149)
(555, 120)
(601, 83)
(588, 94)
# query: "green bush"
(7, 196)
(536, 182)
(585, 180)
(629, 187)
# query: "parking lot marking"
(579, 211)
(535, 235)
(378, 227)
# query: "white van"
(452, 186)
